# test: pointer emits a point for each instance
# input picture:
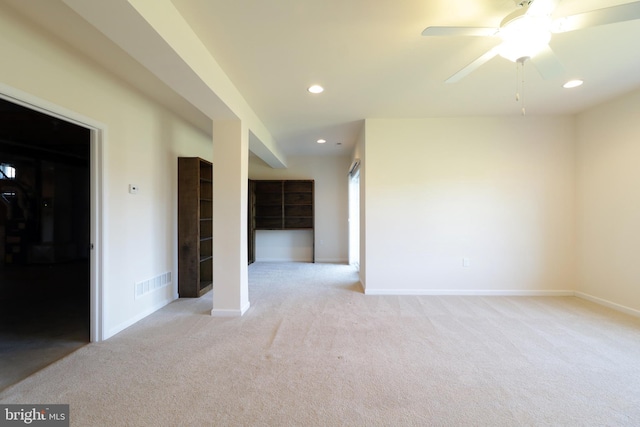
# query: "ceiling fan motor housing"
(523, 35)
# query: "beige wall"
(331, 210)
(497, 191)
(609, 201)
(141, 145)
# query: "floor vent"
(150, 285)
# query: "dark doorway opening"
(44, 240)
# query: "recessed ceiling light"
(572, 83)
(316, 89)
(321, 141)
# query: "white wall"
(498, 191)
(143, 141)
(331, 210)
(279, 245)
(609, 201)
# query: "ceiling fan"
(526, 32)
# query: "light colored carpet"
(313, 350)
(44, 316)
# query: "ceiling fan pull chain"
(517, 82)
(520, 82)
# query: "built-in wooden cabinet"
(268, 205)
(280, 205)
(195, 227)
(298, 205)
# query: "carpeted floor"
(44, 316)
(313, 350)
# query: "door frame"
(98, 132)
(354, 215)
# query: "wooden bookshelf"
(195, 227)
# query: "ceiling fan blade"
(547, 64)
(608, 15)
(473, 66)
(459, 31)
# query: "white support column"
(230, 186)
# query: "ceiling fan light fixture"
(524, 37)
(572, 83)
(315, 89)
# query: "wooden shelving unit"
(195, 227)
(268, 207)
(280, 205)
(298, 205)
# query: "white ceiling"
(373, 62)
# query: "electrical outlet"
(466, 262)
(133, 189)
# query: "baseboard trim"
(217, 312)
(609, 304)
(318, 260)
(332, 261)
(471, 292)
(455, 292)
(124, 325)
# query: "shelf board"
(205, 287)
